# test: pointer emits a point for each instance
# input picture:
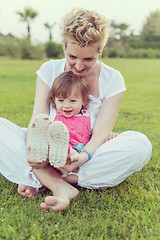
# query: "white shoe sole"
(38, 138)
(58, 138)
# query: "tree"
(118, 32)
(122, 29)
(112, 34)
(47, 25)
(26, 16)
(151, 28)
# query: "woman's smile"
(79, 71)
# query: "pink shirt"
(79, 127)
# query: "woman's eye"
(73, 57)
(88, 59)
(60, 100)
(73, 100)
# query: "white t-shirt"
(110, 83)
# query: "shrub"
(2, 50)
(38, 51)
(29, 51)
(143, 53)
(20, 48)
(26, 50)
(139, 42)
(112, 53)
(53, 50)
(10, 47)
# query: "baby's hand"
(73, 156)
(76, 160)
(71, 162)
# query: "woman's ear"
(100, 56)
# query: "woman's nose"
(79, 65)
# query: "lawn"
(128, 211)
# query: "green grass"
(128, 211)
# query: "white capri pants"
(113, 162)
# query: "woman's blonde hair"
(84, 27)
(67, 82)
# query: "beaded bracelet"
(89, 154)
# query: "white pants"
(113, 162)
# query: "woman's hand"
(111, 136)
(34, 164)
(37, 165)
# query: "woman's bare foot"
(26, 191)
(55, 204)
(61, 200)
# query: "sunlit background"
(130, 12)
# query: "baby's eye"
(73, 100)
(60, 100)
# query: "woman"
(84, 35)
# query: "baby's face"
(69, 106)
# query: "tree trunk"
(29, 32)
(50, 36)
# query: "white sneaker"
(58, 138)
(38, 138)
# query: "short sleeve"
(112, 82)
(50, 70)
(45, 73)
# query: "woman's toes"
(55, 204)
(26, 191)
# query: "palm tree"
(47, 25)
(26, 16)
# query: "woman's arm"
(40, 106)
(41, 95)
(105, 122)
(102, 129)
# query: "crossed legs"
(42, 132)
(62, 191)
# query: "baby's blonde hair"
(84, 27)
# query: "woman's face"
(81, 60)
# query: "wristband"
(89, 154)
